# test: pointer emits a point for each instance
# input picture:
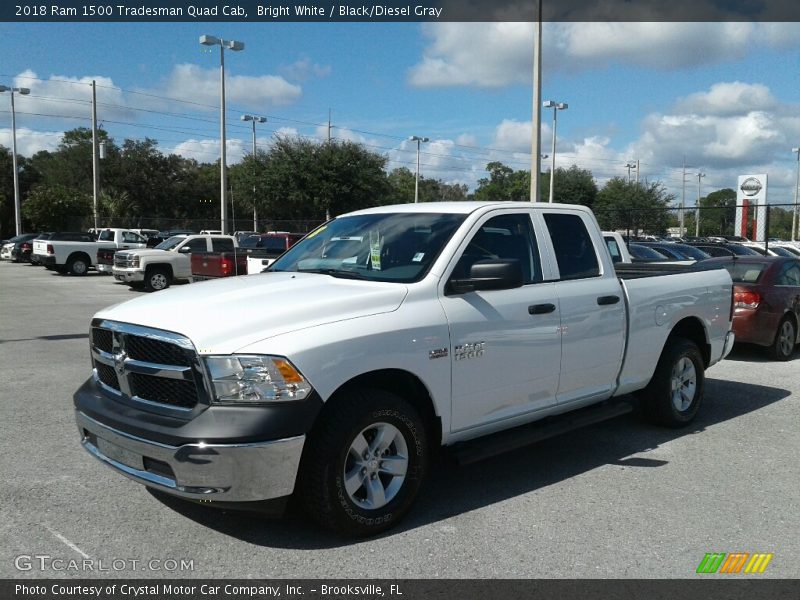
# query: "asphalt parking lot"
(621, 499)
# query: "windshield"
(645, 253)
(170, 243)
(380, 247)
(780, 251)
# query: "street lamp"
(697, 208)
(210, 40)
(24, 92)
(630, 166)
(556, 106)
(419, 140)
(796, 215)
(254, 119)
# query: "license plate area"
(120, 454)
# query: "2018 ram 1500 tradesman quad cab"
(383, 334)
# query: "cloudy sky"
(726, 96)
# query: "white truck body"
(78, 257)
(170, 261)
(486, 360)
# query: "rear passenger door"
(592, 308)
(505, 347)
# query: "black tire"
(357, 419)
(785, 337)
(77, 265)
(675, 393)
(157, 278)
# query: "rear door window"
(221, 245)
(573, 246)
(197, 245)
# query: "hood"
(143, 251)
(224, 315)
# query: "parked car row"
(140, 257)
(766, 282)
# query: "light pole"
(419, 140)
(630, 166)
(254, 119)
(697, 208)
(536, 116)
(796, 214)
(556, 106)
(24, 92)
(210, 40)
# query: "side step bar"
(472, 451)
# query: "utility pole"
(637, 171)
(697, 209)
(254, 119)
(95, 158)
(796, 214)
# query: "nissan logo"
(750, 186)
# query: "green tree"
(56, 207)
(638, 207)
(717, 213)
(573, 186)
(303, 179)
(503, 183)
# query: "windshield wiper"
(341, 273)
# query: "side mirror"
(489, 274)
(185, 250)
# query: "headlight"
(253, 379)
(133, 260)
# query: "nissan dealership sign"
(752, 205)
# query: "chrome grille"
(125, 260)
(159, 369)
(156, 351)
(166, 391)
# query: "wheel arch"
(165, 266)
(692, 329)
(401, 383)
(79, 254)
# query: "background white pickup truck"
(77, 257)
(158, 267)
(382, 335)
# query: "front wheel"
(786, 336)
(674, 394)
(364, 463)
(156, 279)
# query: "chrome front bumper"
(214, 472)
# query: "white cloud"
(64, 97)
(724, 99)
(500, 54)
(194, 84)
(207, 151)
(30, 142)
(304, 69)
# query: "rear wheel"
(364, 463)
(77, 266)
(157, 278)
(674, 394)
(786, 336)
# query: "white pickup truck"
(382, 335)
(156, 268)
(78, 257)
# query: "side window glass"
(575, 253)
(790, 275)
(503, 237)
(197, 245)
(221, 245)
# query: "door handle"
(605, 300)
(541, 309)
